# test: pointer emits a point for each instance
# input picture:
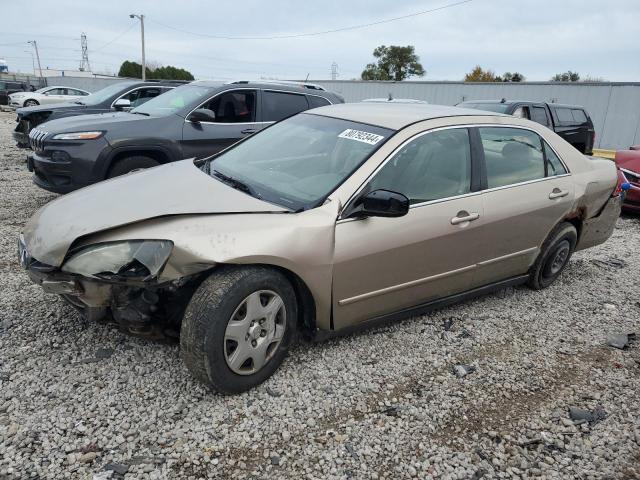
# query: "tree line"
(400, 63)
(134, 70)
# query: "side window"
(433, 166)
(55, 91)
(512, 155)
(279, 105)
(144, 95)
(238, 106)
(521, 112)
(579, 116)
(539, 114)
(564, 115)
(315, 102)
(554, 165)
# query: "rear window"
(579, 116)
(279, 105)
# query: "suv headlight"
(78, 136)
(135, 259)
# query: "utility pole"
(84, 63)
(144, 64)
(35, 46)
(334, 71)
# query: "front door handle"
(463, 217)
(248, 131)
(557, 193)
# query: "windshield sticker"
(360, 136)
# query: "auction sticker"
(360, 136)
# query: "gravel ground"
(77, 397)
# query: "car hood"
(174, 189)
(24, 111)
(629, 159)
(96, 121)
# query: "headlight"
(78, 136)
(136, 259)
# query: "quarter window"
(554, 165)
(433, 166)
(237, 106)
(564, 115)
(315, 101)
(512, 155)
(579, 116)
(280, 105)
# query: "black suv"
(119, 96)
(571, 122)
(8, 87)
(194, 120)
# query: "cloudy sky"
(538, 38)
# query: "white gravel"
(386, 403)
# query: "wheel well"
(304, 297)
(158, 155)
(576, 222)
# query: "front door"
(235, 118)
(528, 192)
(382, 265)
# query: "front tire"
(130, 164)
(31, 103)
(238, 327)
(554, 256)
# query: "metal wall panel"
(613, 107)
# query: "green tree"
(393, 63)
(480, 75)
(134, 70)
(513, 77)
(567, 76)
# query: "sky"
(538, 38)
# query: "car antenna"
(390, 97)
(503, 100)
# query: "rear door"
(573, 131)
(528, 191)
(236, 117)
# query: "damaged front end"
(119, 281)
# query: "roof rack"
(310, 86)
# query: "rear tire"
(31, 103)
(220, 311)
(554, 256)
(129, 164)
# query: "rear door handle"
(557, 193)
(463, 216)
(248, 131)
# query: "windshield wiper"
(234, 183)
(140, 113)
(78, 102)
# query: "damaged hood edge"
(178, 188)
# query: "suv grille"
(36, 138)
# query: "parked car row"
(319, 220)
(46, 96)
(571, 122)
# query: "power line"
(311, 34)
(133, 24)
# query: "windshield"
(298, 162)
(173, 100)
(105, 93)
(491, 107)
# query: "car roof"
(511, 102)
(298, 88)
(395, 115)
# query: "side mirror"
(122, 104)
(381, 203)
(202, 115)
